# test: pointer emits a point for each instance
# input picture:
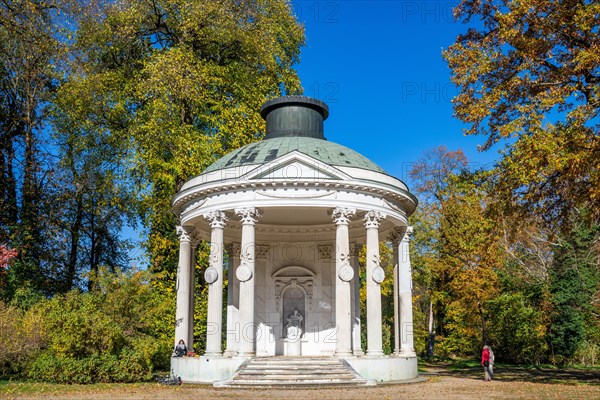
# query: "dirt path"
(449, 384)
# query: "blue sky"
(378, 65)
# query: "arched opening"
(294, 308)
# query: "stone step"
(294, 376)
(295, 372)
(304, 383)
(305, 366)
(288, 371)
(294, 362)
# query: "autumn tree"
(430, 179)
(529, 72)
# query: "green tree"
(575, 285)
(30, 57)
(180, 83)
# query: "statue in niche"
(294, 325)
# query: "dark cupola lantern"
(297, 116)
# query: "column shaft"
(405, 294)
(356, 334)
(342, 287)
(233, 328)
(396, 299)
(245, 274)
(190, 338)
(374, 332)
(182, 314)
(215, 286)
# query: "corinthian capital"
(185, 233)
(217, 219)
(372, 219)
(408, 235)
(248, 215)
(342, 215)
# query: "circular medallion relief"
(346, 273)
(211, 275)
(243, 273)
(378, 274)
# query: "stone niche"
(293, 292)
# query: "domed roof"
(294, 123)
(269, 149)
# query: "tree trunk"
(483, 326)
(75, 235)
(431, 331)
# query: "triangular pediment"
(295, 166)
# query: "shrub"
(107, 335)
(21, 338)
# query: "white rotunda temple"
(292, 211)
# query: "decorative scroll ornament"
(185, 233)
(342, 215)
(248, 215)
(211, 275)
(217, 219)
(372, 219)
(378, 274)
(243, 273)
(346, 272)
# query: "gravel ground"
(443, 387)
(445, 383)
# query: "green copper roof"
(267, 150)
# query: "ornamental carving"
(292, 277)
(373, 218)
(262, 251)
(248, 215)
(185, 233)
(211, 275)
(408, 235)
(248, 253)
(346, 272)
(243, 273)
(325, 252)
(378, 274)
(342, 215)
(217, 219)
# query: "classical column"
(343, 277)
(184, 269)
(233, 328)
(194, 245)
(245, 274)
(407, 348)
(395, 237)
(375, 276)
(214, 277)
(355, 291)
